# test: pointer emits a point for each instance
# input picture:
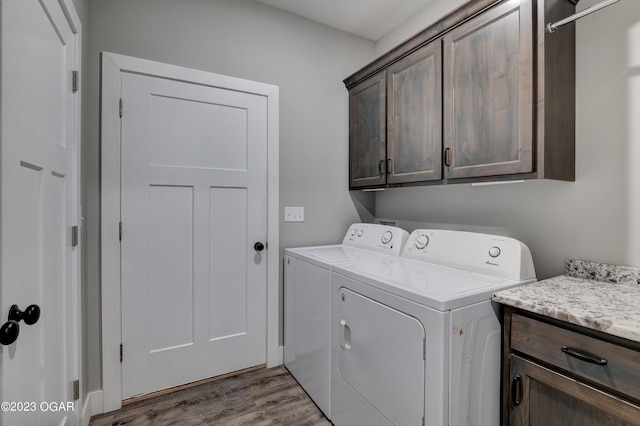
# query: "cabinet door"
(539, 396)
(488, 92)
(367, 136)
(414, 126)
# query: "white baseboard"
(275, 358)
(92, 406)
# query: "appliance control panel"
(474, 252)
(376, 237)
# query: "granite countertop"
(599, 296)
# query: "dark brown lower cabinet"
(540, 396)
(559, 374)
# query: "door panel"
(223, 141)
(228, 274)
(40, 124)
(193, 204)
(171, 231)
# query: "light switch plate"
(294, 214)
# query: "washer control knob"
(422, 241)
(353, 232)
(386, 237)
(360, 232)
(494, 251)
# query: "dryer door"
(381, 357)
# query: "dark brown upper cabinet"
(484, 94)
(414, 117)
(395, 122)
(367, 134)
(488, 86)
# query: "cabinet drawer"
(620, 369)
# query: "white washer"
(307, 301)
(416, 339)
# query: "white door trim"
(112, 67)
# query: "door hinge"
(75, 81)
(120, 107)
(76, 389)
(74, 236)
(120, 352)
(119, 231)
(424, 348)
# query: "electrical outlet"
(294, 214)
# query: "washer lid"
(327, 254)
(333, 255)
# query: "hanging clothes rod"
(552, 27)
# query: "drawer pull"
(516, 383)
(584, 356)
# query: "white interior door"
(39, 199)
(194, 197)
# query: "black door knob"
(258, 246)
(11, 329)
(30, 315)
(9, 332)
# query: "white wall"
(432, 12)
(248, 40)
(597, 217)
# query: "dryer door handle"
(345, 336)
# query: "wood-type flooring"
(265, 397)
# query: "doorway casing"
(113, 65)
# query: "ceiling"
(370, 19)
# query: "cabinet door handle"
(516, 384)
(381, 167)
(389, 166)
(584, 356)
(447, 160)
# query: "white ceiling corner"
(371, 19)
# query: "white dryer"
(416, 339)
(307, 301)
